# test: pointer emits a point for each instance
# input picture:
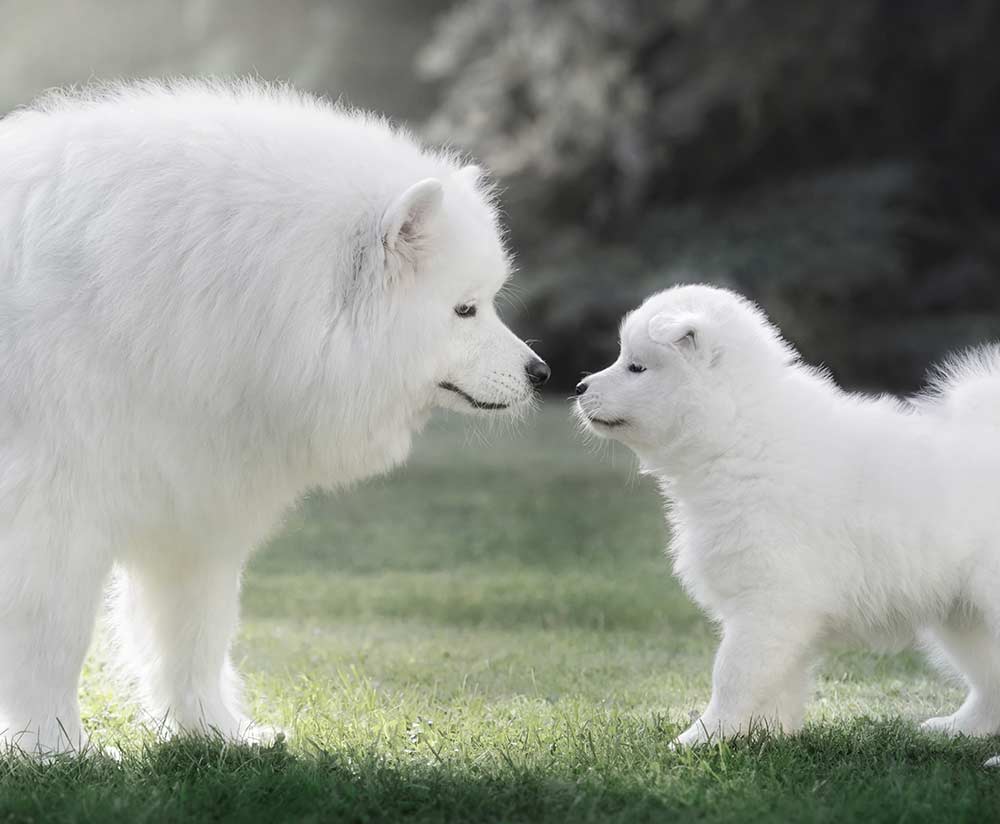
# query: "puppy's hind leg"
(972, 649)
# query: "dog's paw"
(695, 735)
(237, 730)
(48, 750)
(993, 762)
(247, 731)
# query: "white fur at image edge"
(213, 297)
(803, 515)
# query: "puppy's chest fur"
(715, 558)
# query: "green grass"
(493, 634)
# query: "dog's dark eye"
(634, 367)
(466, 310)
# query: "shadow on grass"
(863, 771)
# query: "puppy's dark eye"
(634, 367)
(466, 310)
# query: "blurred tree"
(839, 158)
(358, 50)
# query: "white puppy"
(802, 514)
(211, 299)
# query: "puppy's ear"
(471, 174)
(683, 331)
(405, 222)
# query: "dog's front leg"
(176, 618)
(761, 678)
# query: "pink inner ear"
(407, 232)
(687, 338)
(406, 218)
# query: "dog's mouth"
(610, 423)
(473, 402)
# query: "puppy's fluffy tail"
(966, 388)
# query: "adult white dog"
(211, 299)
(802, 514)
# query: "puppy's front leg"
(761, 677)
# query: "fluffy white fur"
(802, 514)
(212, 297)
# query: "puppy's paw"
(707, 731)
(993, 762)
(263, 734)
(944, 724)
(967, 723)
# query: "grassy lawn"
(493, 634)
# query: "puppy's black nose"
(581, 387)
(538, 371)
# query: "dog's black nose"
(538, 371)
(581, 387)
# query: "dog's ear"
(683, 331)
(405, 222)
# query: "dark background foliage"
(839, 162)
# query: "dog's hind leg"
(176, 618)
(790, 705)
(49, 598)
(973, 650)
